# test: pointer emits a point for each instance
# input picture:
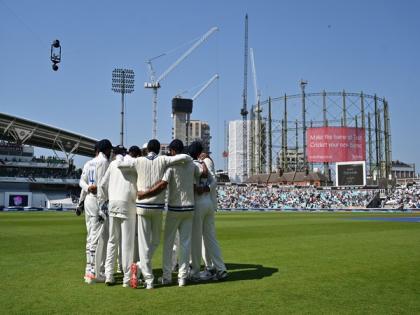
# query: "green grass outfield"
(319, 263)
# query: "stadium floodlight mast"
(122, 82)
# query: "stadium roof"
(398, 163)
(25, 131)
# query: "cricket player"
(180, 179)
(206, 205)
(120, 189)
(150, 170)
(96, 218)
(135, 152)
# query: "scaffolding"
(277, 130)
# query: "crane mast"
(244, 110)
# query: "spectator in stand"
(404, 198)
(268, 197)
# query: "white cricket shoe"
(206, 275)
(109, 281)
(182, 282)
(148, 285)
(221, 275)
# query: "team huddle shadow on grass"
(237, 272)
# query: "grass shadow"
(238, 272)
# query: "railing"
(45, 164)
(40, 180)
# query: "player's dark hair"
(135, 151)
(195, 149)
(176, 145)
(153, 146)
(104, 145)
(119, 149)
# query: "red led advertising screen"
(335, 144)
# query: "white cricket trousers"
(206, 257)
(180, 221)
(136, 242)
(124, 228)
(96, 239)
(149, 230)
(203, 231)
(175, 250)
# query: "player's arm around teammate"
(150, 169)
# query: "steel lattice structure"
(285, 120)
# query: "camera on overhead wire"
(55, 54)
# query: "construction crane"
(244, 110)
(205, 86)
(257, 92)
(199, 92)
(155, 83)
(257, 111)
(178, 110)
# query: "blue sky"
(370, 46)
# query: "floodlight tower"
(122, 82)
(155, 83)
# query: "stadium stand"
(275, 197)
(403, 198)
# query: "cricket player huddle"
(124, 200)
